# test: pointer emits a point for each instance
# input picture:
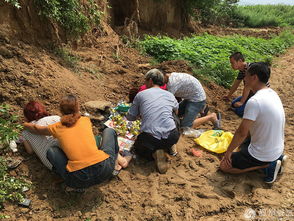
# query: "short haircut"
(237, 56)
(261, 69)
(156, 76)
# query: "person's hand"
(238, 104)
(226, 162)
(26, 125)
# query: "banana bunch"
(122, 126)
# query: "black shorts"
(145, 144)
(243, 159)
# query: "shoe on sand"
(173, 150)
(160, 161)
(271, 171)
(284, 161)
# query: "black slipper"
(205, 111)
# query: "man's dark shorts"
(243, 159)
(145, 144)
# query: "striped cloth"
(39, 143)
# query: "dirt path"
(192, 189)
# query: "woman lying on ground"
(79, 161)
(36, 113)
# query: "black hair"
(237, 56)
(261, 69)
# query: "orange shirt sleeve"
(53, 129)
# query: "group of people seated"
(67, 145)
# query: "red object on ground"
(196, 153)
(143, 87)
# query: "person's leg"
(272, 171)
(58, 159)
(242, 162)
(109, 143)
(191, 111)
(238, 110)
(201, 120)
(145, 145)
(182, 108)
(98, 140)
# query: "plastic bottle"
(190, 132)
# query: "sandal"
(115, 172)
(217, 123)
(13, 163)
(205, 111)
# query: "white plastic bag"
(190, 132)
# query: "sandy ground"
(192, 189)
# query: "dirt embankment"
(192, 189)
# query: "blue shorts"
(238, 110)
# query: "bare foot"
(122, 161)
(213, 117)
(117, 166)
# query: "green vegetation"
(209, 54)
(74, 17)
(11, 188)
(265, 15)
(211, 11)
(68, 59)
(9, 126)
(15, 3)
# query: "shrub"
(11, 188)
(211, 11)
(265, 15)
(15, 3)
(209, 54)
(9, 126)
(74, 17)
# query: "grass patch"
(265, 15)
(68, 59)
(209, 55)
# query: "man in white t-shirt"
(264, 119)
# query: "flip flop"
(13, 163)
(217, 124)
(115, 172)
(205, 111)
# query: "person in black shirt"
(237, 61)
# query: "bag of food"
(216, 141)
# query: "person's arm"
(176, 106)
(134, 111)
(245, 95)
(28, 147)
(233, 88)
(239, 137)
(37, 129)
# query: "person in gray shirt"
(159, 132)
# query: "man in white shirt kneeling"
(264, 120)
